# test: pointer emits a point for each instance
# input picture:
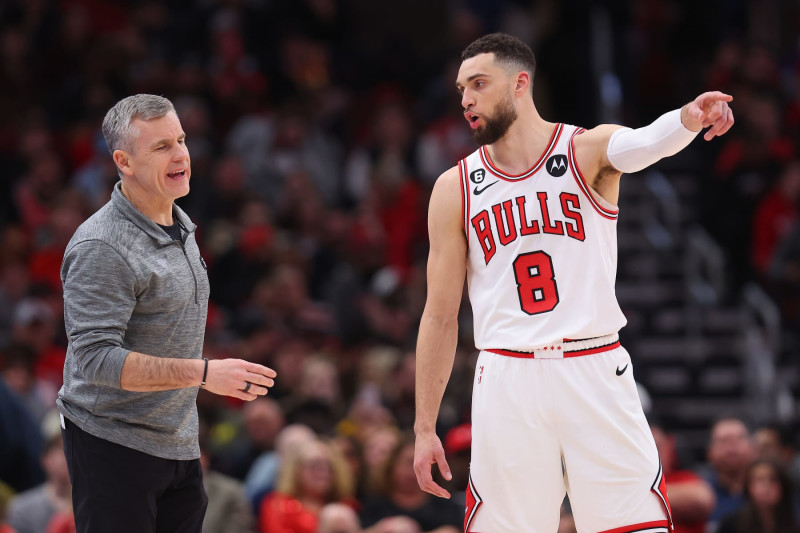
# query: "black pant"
(120, 490)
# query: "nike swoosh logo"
(624, 368)
(477, 191)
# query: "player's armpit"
(591, 155)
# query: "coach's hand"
(427, 451)
(709, 109)
(239, 378)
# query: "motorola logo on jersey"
(557, 165)
(477, 176)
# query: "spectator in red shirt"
(311, 478)
(774, 216)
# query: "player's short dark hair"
(508, 51)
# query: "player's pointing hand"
(709, 109)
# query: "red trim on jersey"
(467, 196)
(644, 526)
(463, 199)
(487, 160)
(567, 354)
(610, 214)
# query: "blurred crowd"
(316, 130)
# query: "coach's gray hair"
(118, 129)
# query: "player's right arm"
(438, 330)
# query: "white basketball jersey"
(542, 251)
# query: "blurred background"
(316, 130)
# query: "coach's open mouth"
(177, 174)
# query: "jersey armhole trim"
(462, 174)
(610, 214)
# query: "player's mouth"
(472, 118)
(177, 174)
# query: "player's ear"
(523, 83)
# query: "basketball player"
(530, 219)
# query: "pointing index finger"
(714, 96)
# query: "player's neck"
(523, 144)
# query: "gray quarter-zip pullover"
(128, 287)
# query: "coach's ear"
(123, 162)
(523, 83)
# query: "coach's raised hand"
(709, 109)
(239, 378)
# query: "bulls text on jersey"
(511, 219)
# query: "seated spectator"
(20, 442)
(263, 474)
(400, 495)
(378, 445)
(263, 420)
(228, 510)
(777, 441)
(774, 216)
(352, 450)
(774, 441)
(730, 452)
(768, 507)
(690, 496)
(338, 518)
(309, 479)
(784, 274)
(33, 510)
(17, 366)
(36, 326)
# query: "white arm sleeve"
(633, 150)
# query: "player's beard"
(497, 124)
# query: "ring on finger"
(246, 387)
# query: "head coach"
(135, 303)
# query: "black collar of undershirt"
(174, 230)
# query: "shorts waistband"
(567, 348)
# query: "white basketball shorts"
(562, 419)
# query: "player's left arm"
(606, 152)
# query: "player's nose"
(467, 99)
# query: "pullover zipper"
(191, 269)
